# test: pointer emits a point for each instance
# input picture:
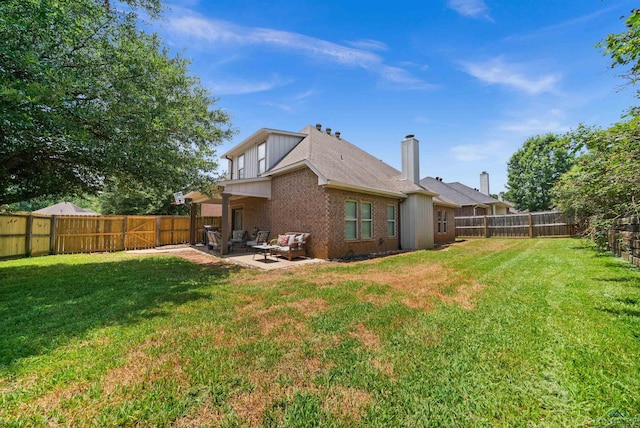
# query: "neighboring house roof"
(460, 194)
(341, 164)
(65, 208)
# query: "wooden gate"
(140, 232)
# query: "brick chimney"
(410, 159)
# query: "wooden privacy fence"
(31, 235)
(530, 225)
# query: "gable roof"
(65, 208)
(340, 164)
(459, 193)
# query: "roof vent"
(319, 126)
(338, 135)
(328, 131)
(409, 136)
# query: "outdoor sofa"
(290, 245)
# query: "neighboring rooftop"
(459, 193)
(65, 208)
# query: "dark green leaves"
(89, 102)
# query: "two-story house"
(315, 181)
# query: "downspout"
(230, 167)
(399, 228)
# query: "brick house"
(314, 181)
(471, 202)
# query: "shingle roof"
(459, 193)
(65, 208)
(339, 161)
(472, 193)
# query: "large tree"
(90, 102)
(604, 183)
(624, 47)
(534, 169)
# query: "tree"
(534, 169)
(89, 102)
(624, 48)
(604, 182)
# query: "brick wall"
(338, 245)
(624, 239)
(450, 235)
(298, 204)
(254, 211)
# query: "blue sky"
(472, 79)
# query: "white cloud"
(239, 87)
(469, 152)
(368, 44)
(470, 8)
(497, 71)
(212, 30)
(535, 126)
(477, 152)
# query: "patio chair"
(262, 237)
(214, 240)
(238, 238)
(295, 245)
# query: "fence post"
(124, 232)
(53, 230)
(158, 227)
(28, 244)
(530, 226)
(486, 227)
(192, 223)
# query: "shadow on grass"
(45, 306)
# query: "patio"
(237, 256)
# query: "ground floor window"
(237, 219)
(391, 220)
(442, 221)
(351, 219)
(366, 220)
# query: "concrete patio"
(239, 256)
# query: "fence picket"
(529, 225)
(58, 234)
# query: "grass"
(484, 333)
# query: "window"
(241, 166)
(351, 219)
(262, 157)
(391, 220)
(366, 220)
(442, 222)
(237, 219)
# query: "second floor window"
(262, 157)
(240, 166)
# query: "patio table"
(264, 249)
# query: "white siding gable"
(277, 146)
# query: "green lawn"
(484, 333)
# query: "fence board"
(529, 225)
(40, 235)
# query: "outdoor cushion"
(282, 240)
(292, 239)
